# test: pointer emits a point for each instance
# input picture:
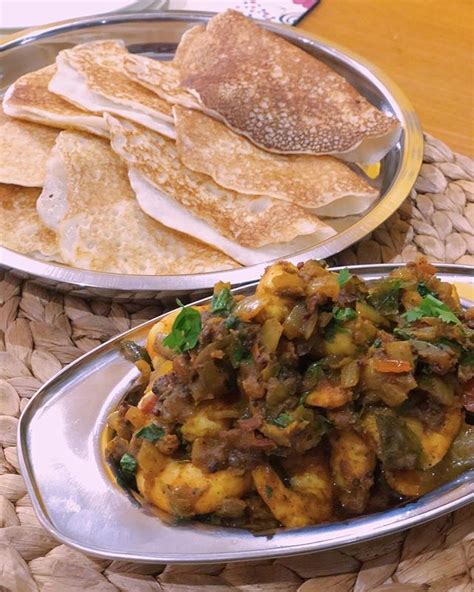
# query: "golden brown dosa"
(160, 77)
(237, 224)
(91, 76)
(29, 98)
(320, 183)
(24, 150)
(21, 228)
(279, 96)
(88, 200)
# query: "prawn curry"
(318, 398)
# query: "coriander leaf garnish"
(423, 289)
(268, 491)
(343, 277)
(343, 314)
(339, 316)
(431, 307)
(151, 432)
(282, 420)
(223, 302)
(413, 315)
(128, 466)
(447, 316)
(185, 331)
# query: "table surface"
(426, 46)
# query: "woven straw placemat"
(41, 331)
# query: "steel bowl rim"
(399, 189)
(458, 492)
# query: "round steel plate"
(157, 35)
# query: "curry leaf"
(322, 425)
(128, 466)
(343, 277)
(400, 447)
(282, 420)
(185, 331)
(467, 359)
(401, 334)
(302, 399)
(151, 432)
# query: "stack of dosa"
(29, 98)
(270, 91)
(249, 228)
(322, 184)
(217, 158)
(91, 76)
(24, 150)
(88, 202)
(21, 227)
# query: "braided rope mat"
(41, 331)
(437, 219)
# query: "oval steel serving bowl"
(61, 460)
(156, 35)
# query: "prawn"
(407, 482)
(208, 419)
(352, 465)
(434, 443)
(182, 489)
(328, 396)
(308, 499)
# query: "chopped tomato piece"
(395, 366)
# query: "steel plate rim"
(402, 183)
(454, 488)
(295, 549)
